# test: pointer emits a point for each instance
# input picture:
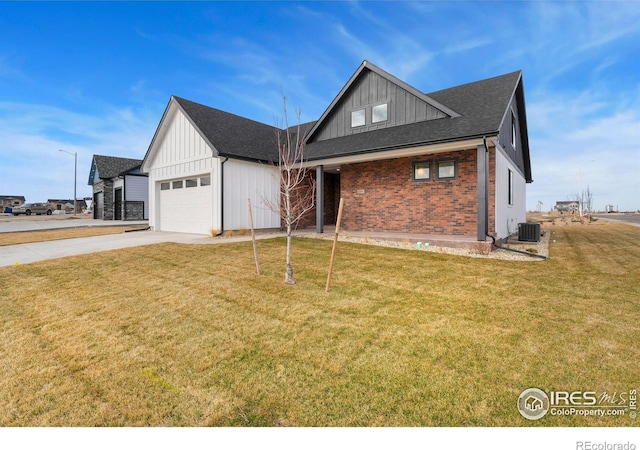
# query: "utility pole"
(75, 179)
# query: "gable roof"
(473, 110)
(111, 166)
(232, 135)
(481, 108)
(360, 72)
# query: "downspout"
(486, 185)
(226, 158)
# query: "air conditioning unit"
(529, 232)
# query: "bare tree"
(584, 199)
(297, 188)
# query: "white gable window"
(357, 118)
(379, 113)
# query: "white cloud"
(585, 136)
(32, 164)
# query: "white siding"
(244, 180)
(180, 152)
(508, 216)
(137, 190)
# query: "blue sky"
(94, 78)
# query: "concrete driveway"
(40, 251)
(13, 224)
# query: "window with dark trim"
(447, 169)
(358, 118)
(422, 171)
(513, 130)
(379, 113)
(510, 187)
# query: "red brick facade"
(383, 196)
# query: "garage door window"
(191, 182)
(205, 181)
(165, 186)
(177, 184)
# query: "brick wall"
(382, 196)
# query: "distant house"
(120, 189)
(67, 204)
(452, 162)
(570, 206)
(9, 201)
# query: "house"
(570, 206)
(120, 189)
(452, 162)
(9, 201)
(67, 204)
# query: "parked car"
(32, 208)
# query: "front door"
(117, 204)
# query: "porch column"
(320, 199)
(483, 192)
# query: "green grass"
(179, 335)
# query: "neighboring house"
(453, 162)
(67, 204)
(120, 189)
(570, 206)
(9, 201)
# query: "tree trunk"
(288, 275)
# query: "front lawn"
(185, 335)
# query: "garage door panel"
(187, 210)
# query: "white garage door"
(186, 205)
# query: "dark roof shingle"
(482, 105)
(232, 135)
(112, 166)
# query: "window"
(513, 130)
(447, 170)
(205, 181)
(379, 113)
(510, 187)
(191, 182)
(422, 171)
(357, 118)
(165, 186)
(177, 184)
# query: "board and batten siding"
(181, 152)
(258, 182)
(371, 90)
(508, 216)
